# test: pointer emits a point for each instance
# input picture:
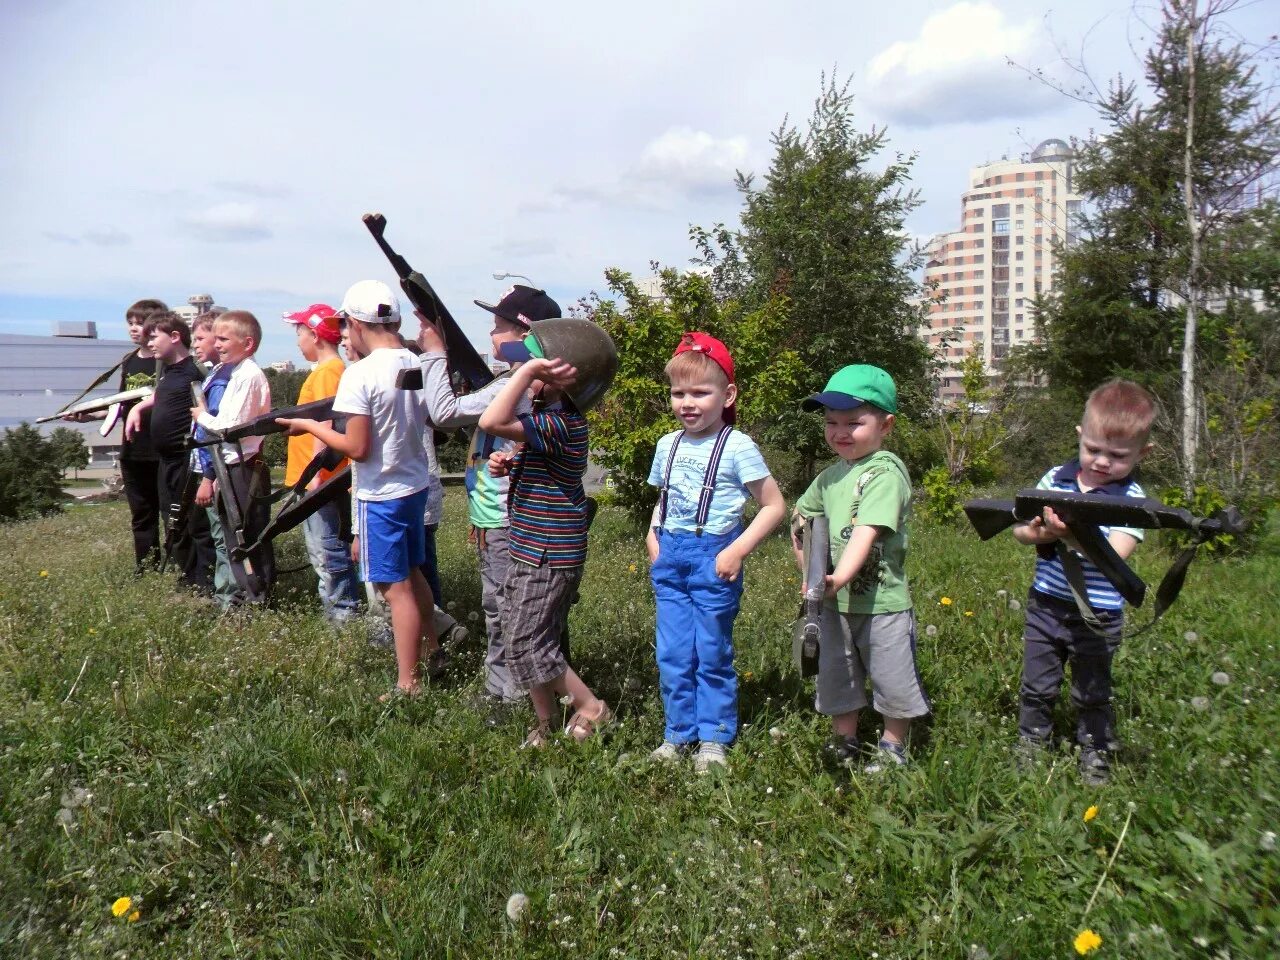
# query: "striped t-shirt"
(1049, 576)
(548, 507)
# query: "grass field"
(239, 781)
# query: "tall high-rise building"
(989, 271)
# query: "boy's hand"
(833, 587)
(133, 422)
(355, 550)
(728, 564)
(429, 337)
(296, 427)
(651, 547)
(499, 463)
(1055, 529)
(196, 411)
(555, 372)
(204, 493)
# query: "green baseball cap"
(853, 386)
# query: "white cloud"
(227, 223)
(957, 69)
(678, 164)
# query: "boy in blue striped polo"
(706, 472)
(568, 363)
(1113, 441)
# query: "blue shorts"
(393, 540)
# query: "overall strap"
(666, 481)
(709, 480)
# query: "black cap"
(523, 305)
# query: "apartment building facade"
(1014, 217)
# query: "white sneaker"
(669, 752)
(710, 755)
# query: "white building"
(197, 304)
(989, 271)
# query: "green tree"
(825, 230)
(30, 478)
(646, 330)
(69, 449)
(1171, 189)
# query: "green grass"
(239, 780)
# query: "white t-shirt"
(397, 464)
(740, 464)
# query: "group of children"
(529, 518)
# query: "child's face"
(202, 345)
(504, 331)
(136, 329)
(231, 347)
(307, 343)
(699, 403)
(852, 434)
(166, 346)
(1106, 459)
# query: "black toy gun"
(815, 540)
(266, 424)
(1084, 513)
(462, 354)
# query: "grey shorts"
(535, 609)
(879, 645)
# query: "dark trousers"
(251, 487)
(1056, 635)
(431, 566)
(192, 550)
(142, 491)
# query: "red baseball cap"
(321, 319)
(716, 351)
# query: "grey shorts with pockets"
(881, 646)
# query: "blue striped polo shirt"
(1049, 576)
(548, 507)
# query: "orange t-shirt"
(322, 382)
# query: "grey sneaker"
(843, 751)
(1028, 754)
(437, 664)
(888, 755)
(710, 755)
(669, 752)
(455, 636)
(1095, 767)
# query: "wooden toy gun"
(815, 538)
(112, 404)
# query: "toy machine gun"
(463, 356)
(814, 538)
(1084, 513)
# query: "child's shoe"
(1095, 767)
(669, 752)
(1028, 754)
(888, 755)
(437, 663)
(710, 755)
(843, 751)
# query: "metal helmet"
(585, 345)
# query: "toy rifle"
(463, 357)
(807, 638)
(266, 424)
(111, 404)
(176, 520)
(1084, 513)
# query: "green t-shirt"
(874, 491)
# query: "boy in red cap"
(705, 471)
(318, 336)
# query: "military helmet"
(579, 342)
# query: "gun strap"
(1074, 572)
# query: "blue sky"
(169, 149)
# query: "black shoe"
(1095, 767)
(843, 751)
(1029, 754)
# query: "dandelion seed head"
(517, 907)
(1200, 703)
(1220, 678)
(931, 631)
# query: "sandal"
(396, 692)
(536, 740)
(581, 727)
(437, 664)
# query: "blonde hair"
(694, 365)
(204, 321)
(245, 324)
(1120, 408)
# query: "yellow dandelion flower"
(44, 573)
(1086, 942)
(631, 569)
(134, 917)
(968, 613)
(748, 675)
(1090, 813)
(945, 601)
(121, 906)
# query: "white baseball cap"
(370, 301)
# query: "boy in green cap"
(868, 624)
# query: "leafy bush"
(30, 475)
